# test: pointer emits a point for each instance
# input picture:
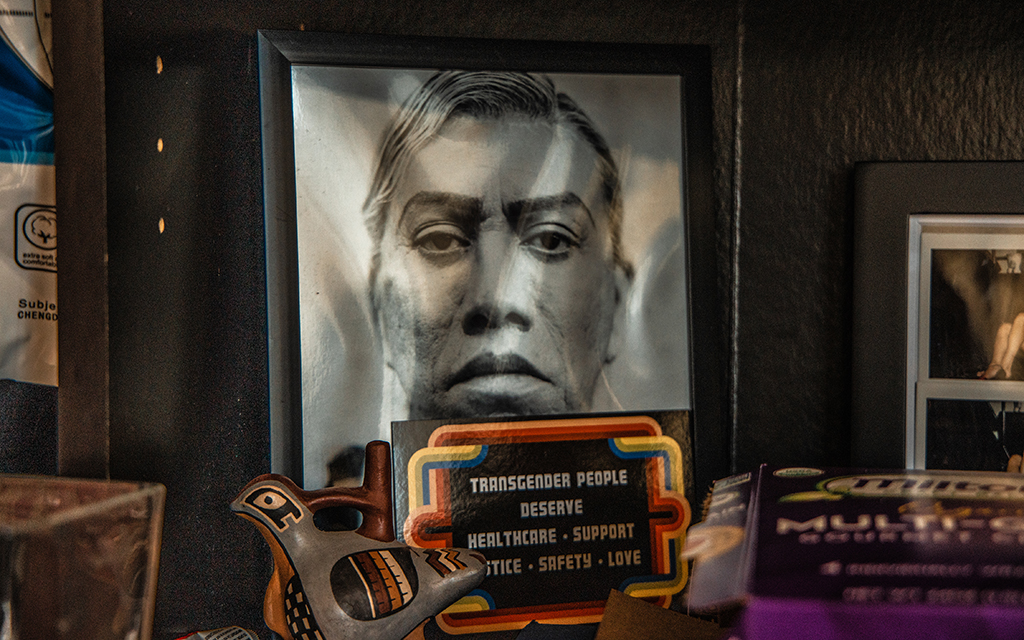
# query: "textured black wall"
(826, 85)
(802, 90)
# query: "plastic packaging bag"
(28, 218)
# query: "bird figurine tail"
(335, 585)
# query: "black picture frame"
(281, 52)
(888, 196)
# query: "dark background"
(802, 89)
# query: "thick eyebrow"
(568, 200)
(459, 207)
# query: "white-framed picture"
(965, 364)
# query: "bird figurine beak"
(335, 585)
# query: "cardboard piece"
(632, 618)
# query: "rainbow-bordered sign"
(564, 511)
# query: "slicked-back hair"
(485, 95)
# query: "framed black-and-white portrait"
(938, 366)
(472, 228)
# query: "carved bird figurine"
(335, 585)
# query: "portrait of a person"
(497, 273)
(475, 244)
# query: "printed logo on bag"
(35, 237)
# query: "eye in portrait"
(477, 244)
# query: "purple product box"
(840, 552)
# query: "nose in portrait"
(498, 296)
